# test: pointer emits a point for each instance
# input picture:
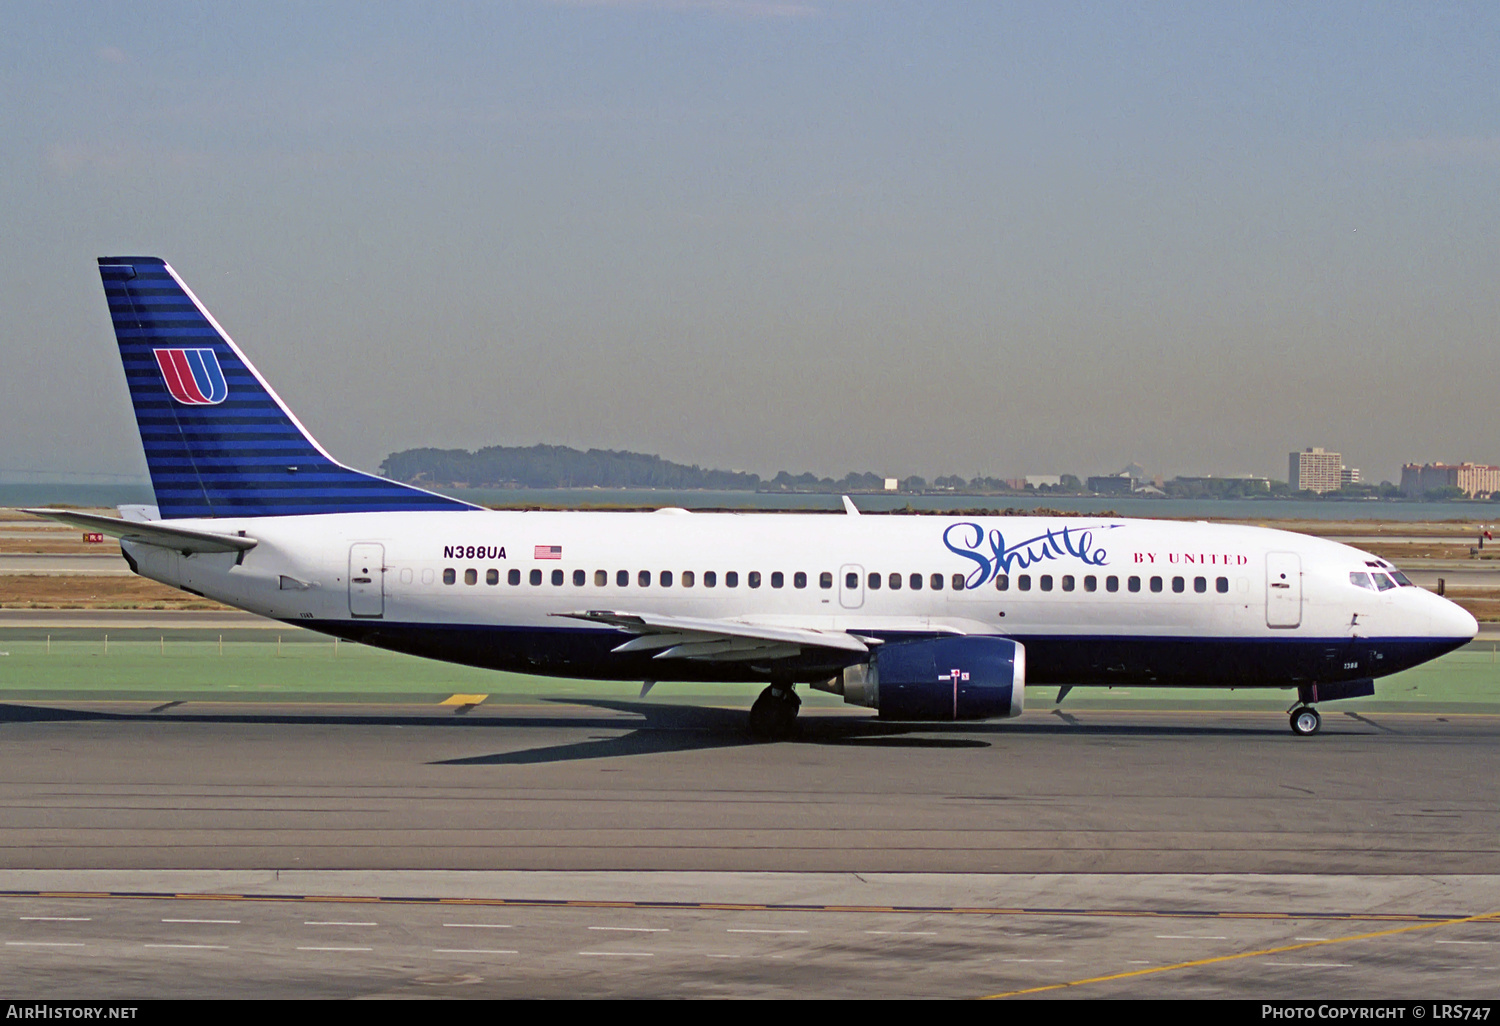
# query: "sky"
(826, 235)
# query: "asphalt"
(619, 849)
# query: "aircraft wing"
(708, 640)
(151, 532)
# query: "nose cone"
(1451, 620)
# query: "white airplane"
(919, 617)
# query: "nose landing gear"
(774, 714)
(1305, 721)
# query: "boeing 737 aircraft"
(918, 617)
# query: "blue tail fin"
(218, 439)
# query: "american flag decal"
(547, 552)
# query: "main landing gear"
(774, 714)
(1305, 721)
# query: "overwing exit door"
(367, 579)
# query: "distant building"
(1470, 478)
(1349, 476)
(1131, 479)
(1315, 470)
(891, 484)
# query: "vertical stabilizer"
(219, 441)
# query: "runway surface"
(1016, 847)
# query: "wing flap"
(686, 637)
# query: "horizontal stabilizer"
(153, 532)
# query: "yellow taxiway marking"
(463, 699)
(1484, 918)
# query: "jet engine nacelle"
(954, 678)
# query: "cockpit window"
(1383, 582)
(1402, 579)
(1361, 580)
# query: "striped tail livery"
(219, 441)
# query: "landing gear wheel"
(1305, 721)
(774, 714)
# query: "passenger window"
(601, 578)
(514, 576)
(557, 578)
(450, 575)
(643, 578)
(916, 582)
(710, 578)
(1156, 584)
(753, 578)
(1002, 582)
(1133, 584)
(471, 576)
(1200, 584)
(622, 578)
(1361, 580)
(666, 578)
(1222, 584)
(873, 581)
(958, 582)
(1383, 582)
(851, 580)
(731, 578)
(1179, 585)
(1067, 582)
(1024, 582)
(799, 579)
(895, 582)
(777, 578)
(427, 575)
(580, 578)
(1091, 583)
(825, 579)
(687, 578)
(1046, 582)
(492, 577)
(536, 577)
(935, 582)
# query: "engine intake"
(953, 678)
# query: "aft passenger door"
(367, 579)
(1283, 589)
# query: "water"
(107, 495)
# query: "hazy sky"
(828, 235)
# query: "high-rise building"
(1349, 476)
(1315, 470)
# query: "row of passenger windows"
(643, 578)
(1091, 583)
(894, 581)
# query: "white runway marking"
(224, 921)
(634, 929)
(191, 947)
(337, 923)
(620, 954)
(57, 919)
(748, 930)
(1459, 942)
(480, 926)
(44, 944)
(1313, 965)
(335, 949)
